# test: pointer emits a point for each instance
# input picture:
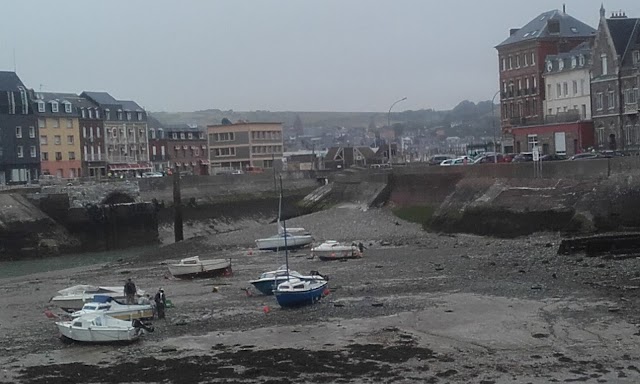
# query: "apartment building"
(242, 145)
(58, 127)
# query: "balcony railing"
(94, 157)
(564, 117)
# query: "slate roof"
(152, 122)
(101, 97)
(621, 30)
(59, 97)
(583, 49)
(538, 28)
(9, 81)
(129, 105)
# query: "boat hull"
(106, 335)
(298, 299)
(203, 269)
(266, 287)
(293, 242)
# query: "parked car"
(152, 174)
(458, 161)
(585, 156)
(490, 159)
(554, 157)
(610, 154)
(523, 157)
(438, 159)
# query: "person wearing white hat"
(161, 302)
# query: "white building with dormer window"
(567, 78)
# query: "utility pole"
(177, 207)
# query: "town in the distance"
(566, 91)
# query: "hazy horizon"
(275, 55)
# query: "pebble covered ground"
(405, 272)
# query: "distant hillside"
(467, 118)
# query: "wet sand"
(418, 307)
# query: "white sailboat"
(291, 238)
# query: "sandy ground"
(418, 307)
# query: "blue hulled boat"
(296, 292)
(268, 281)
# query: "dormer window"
(128, 115)
(119, 114)
(67, 107)
(139, 116)
(107, 114)
(561, 64)
(54, 106)
(97, 113)
(41, 106)
(90, 114)
(582, 60)
(574, 62)
(604, 64)
(83, 112)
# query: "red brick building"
(521, 62)
(562, 138)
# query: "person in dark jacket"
(161, 302)
(130, 292)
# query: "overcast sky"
(293, 55)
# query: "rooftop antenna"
(564, 8)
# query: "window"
(565, 88)
(636, 57)
(600, 132)
(549, 91)
(41, 107)
(107, 114)
(54, 106)
(533, 141)
(582, 87)
(630, 96)
(43, 140)
(128, 115)
(174, 135)
(604, 64)
(67, 107)
(72, 155)
(32, 132)
(56, 123)
(517, 61)
(153, 150)
(584, 111)
(162, 150)
(533, 58)
(503, 62)
(44, 156)
(526, 59)
(41, 123)
(224, 151)
(574, 62)
(97, 113)
(57, 140)
(84, 132)
(533, 113)
(139, 116)
(227, 136)
(612, 100)
(182, 135)
(19, 151)
(575, 87)
(119, 114)
(190, 136)
(599, 101)
(581, 60)
(83, 112)
(152, 132)
(69, 139)
(98, 132)
(90, 113)
(19, 132)
(58, 156)
(510, 62)
(558, 90)
(69, 123)
(32, 151)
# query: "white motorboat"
(333, 250)
(194, 267)
(278, 241)
(99, 328)
(111, 307)
(73, 298)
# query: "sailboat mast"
(284, 227)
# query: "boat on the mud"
(294, 291)
(99, 328)
(111, 307)
(73, 298)
(284, 240)
(333, 250)
(268, 281)
(194, 267)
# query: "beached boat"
(194, 267)
(73, 298)
(111, 307)
(268, 281)
(285, 240)
(99, 328)
(333, 250)
(296, 291)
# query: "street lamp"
(493, 124)
(389, 124)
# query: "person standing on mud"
(361, 248)
(161, 302)
(130, 292)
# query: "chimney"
(564, 8)
(513, 31)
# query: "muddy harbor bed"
(424, 308)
